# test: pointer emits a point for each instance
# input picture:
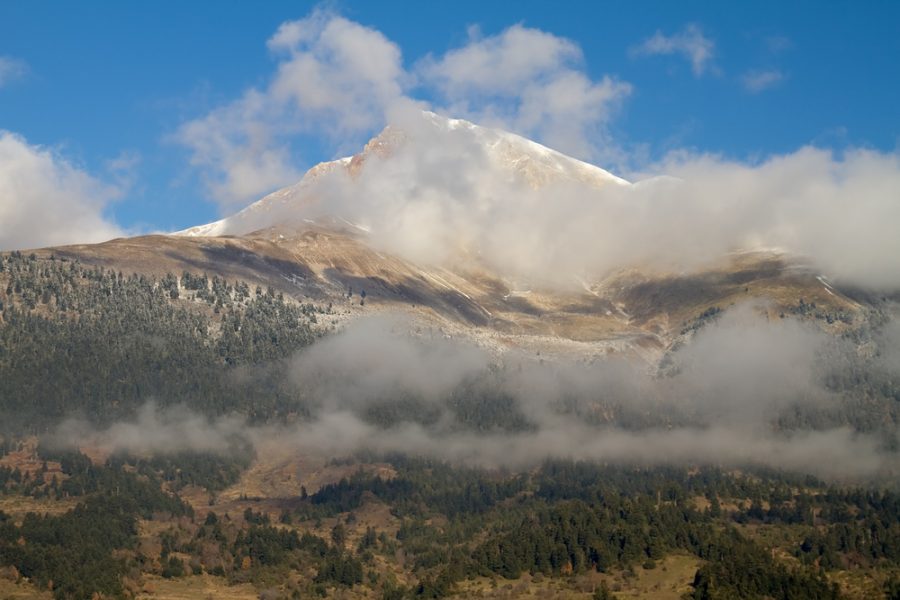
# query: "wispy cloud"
(45, 200)
(759, 81)
(776, 44)
(11, 69)
(690, 42)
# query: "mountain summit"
(453, 146)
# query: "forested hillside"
(597, 530)
(99, 344)
(96, 343)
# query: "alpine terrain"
(455, 364)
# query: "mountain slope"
(633, 312)
(290, 241)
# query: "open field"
(17, 506)
(197, 587)
(10, 590)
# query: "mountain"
(507, 156)
(202, 427)
(299, 241)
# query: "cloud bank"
(442, 192)
(721, 406)
(45, 200)
(443, 189)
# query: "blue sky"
(105, 90)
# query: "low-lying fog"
(744, 392)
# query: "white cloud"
(689, 42)
(444, 189)
(530, 82)
(334, 78)
(238, 150)
(11, 69)
(758, 81)
(344, 81)
(438, 193)
(338, 70)
(841, 211)
(44, 200)
(500, 64)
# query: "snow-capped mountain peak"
(508, 157)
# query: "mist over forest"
(746, 391)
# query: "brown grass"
(18, 506)
(197, 587)
(26, 460)
(23, 590)
(668, 581)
